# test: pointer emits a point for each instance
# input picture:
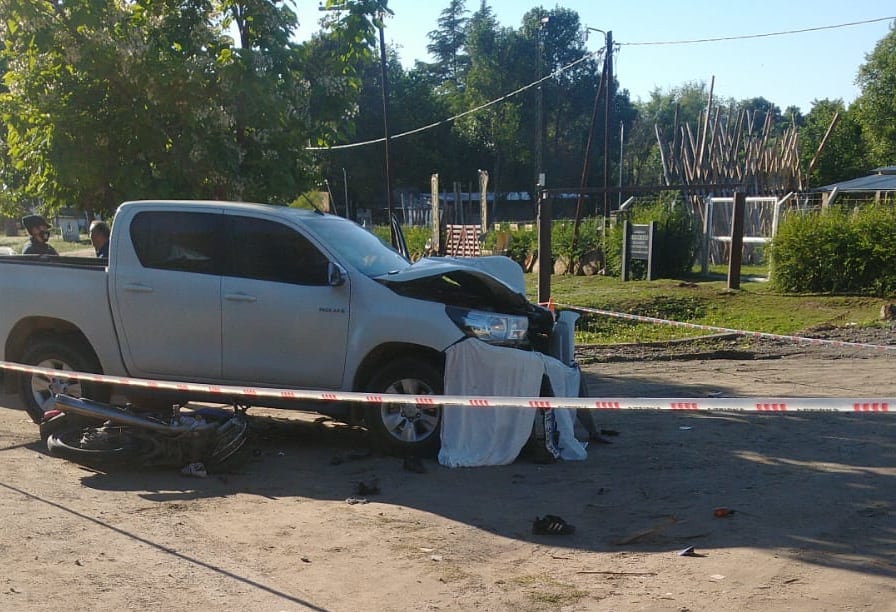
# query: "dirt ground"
(814, 526)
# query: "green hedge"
(524, 243)
(836, 251)
(675, 242)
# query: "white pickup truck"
(259, 295)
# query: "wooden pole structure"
(824, 141)
(737, 240)
(545, 264)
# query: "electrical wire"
(430, 126)
(582, 59)
(748, 36)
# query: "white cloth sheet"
(494, 435)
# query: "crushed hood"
(459, 283)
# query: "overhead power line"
(747, 36)
(590, 55)
(466, 112)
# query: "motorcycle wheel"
(64, 422)
(230, 450)
(104, 447)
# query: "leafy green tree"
(493, 132)
(665, 112)
(876, 106)
(447, 43)
(758, 109)
(844, 155)
(107, 101)
(568, 96)
(794, 116)
(261, 86)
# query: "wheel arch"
(31, 329)
(390, 351)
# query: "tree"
(758, 109)
(876, 106)
(666, 113)
(844, 155)
(107, 101)
(447, 44)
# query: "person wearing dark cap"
(38, 236)
(99, 236)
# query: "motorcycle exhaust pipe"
(104, 412)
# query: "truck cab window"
(183, 241)
(267, 250)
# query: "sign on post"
(637, 243)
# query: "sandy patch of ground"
(814, 527)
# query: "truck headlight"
(491, 327)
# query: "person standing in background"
(99, 236)
(38, 236)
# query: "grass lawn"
(704, 301)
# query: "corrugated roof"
(883, 179)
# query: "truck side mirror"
(336, 274)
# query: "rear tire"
(58, 354)
(64, 422)
(104, 447)
(406, 429)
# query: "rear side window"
(266, 250)
(183, 241)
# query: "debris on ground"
(551, 524)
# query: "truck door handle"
(138, 288)
(240, 297)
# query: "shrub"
(523, 242)
(589, 238)
(836, 251)
(675, 241)
(416, 237)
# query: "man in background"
(99, 236)
(38, 236)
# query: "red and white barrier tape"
(728, 330)
(678, 404)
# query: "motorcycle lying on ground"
(105, 436)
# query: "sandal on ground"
(551, 525)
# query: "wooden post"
(651, 228)
(626, 238)
(737, 240)
(483, 199)
(545, 265)
(707, 236)
(436, 226)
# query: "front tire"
(406, 429)
(37, 389)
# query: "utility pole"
(386, 125)
(539, 104)
(348, 214)
(608, 92)
(587, 161)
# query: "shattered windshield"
(360, 248)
